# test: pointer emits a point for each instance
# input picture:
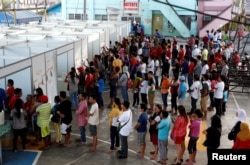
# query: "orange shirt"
(165, 86)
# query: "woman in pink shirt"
(179, 132)
(82, 117)
(194, 134)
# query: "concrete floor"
(75, 154)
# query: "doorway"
(157, 23)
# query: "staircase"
(172, 16)
(217, 23)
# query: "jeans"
(163, 148)
(16, 133)
(83, 135)
(144, 98)
(218, 106)
(114, 137)
(165, 99)
(124, 145)
(99, 100)
(190, 80)
(124, 91)
(193, 104)
(156, 82)
(136, 99)
(174, 102)
(74, 99)
(211, 94)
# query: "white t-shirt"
(115, 121)
(204, 69)
(151, 66)
(142, 68)
(157, 64)
(219, 87)
(94, 119)
(196, 89)
(126, 117)
(139, 52)
(144, 87)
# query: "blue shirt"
(164, 128)
(100, 85)
(3, 98)
(184, 68)
(143, 120)
(182, 90)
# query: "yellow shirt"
(117, 62)
(115, 112)
(204, 55)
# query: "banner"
(131, 7)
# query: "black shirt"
(65, 108)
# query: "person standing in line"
(213, 135)
(225, 98)
(122, 83)
(194, 127)
(64, 111)
(136, 88)
(72, 81)
(56, 120)
(182, 91)
(141, 128)
(163, 133)
(194, 90)
(179, 132)
(125, 120)
(204, 95)
(218, 94)
(93, 121)
(165, 84)
(114, 114)
(82, 116)
(174, 94)
(144, 89)
(242, 140)
(151, 91)
(9, 92)
(100, 83)
(43, 120)
(154, 120)
(19, 124)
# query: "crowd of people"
(145, 65)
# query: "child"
(194, 135)
(19, 124)
(225, 97)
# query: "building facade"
(151, 14)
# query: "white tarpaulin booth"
(41, 55)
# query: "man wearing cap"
(43, 120)
(182, 91)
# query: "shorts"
(65, 128)
(92, 130)
(151, 98)
(45, 131)
(141, 138)
(179, 140)
(154, 139)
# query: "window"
(101, 17)
(206, 18)
(77, 16)
(132, 19)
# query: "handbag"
(119, 127)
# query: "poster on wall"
(38, 72)
(50, 75)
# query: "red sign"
(130, 5)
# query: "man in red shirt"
(181, 54)
(10, 90)
(88, 82)
(17, 94)
(191, 72)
